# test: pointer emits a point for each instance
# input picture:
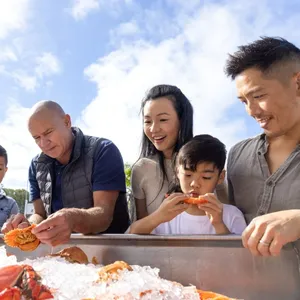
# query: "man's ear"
(68, 121)
(222, 177)
(297, 77)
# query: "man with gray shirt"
(264, 171)
(8, 206)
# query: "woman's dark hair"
(3, 153)
(184, 110)
(202, 148)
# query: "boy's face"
(203, 180)
(3, 168)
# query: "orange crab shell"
(11, 293)
(9, 275)
(193, 200)
(73, 254)
(22, 238)
(206, 295)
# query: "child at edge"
(8, 206)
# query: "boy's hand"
(214, 210)
(172, 206)
(15, 221)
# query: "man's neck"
(280, 148)
(65, 158)
(290, 138)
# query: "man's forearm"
(92, 220)
(35, 219)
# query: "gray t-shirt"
(252, 188)
(8, 207)
(147, 181)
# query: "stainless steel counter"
(217, 263)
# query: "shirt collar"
(2, 193)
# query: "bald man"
(77, 183)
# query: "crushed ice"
(76, 281)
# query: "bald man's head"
(47, 106)
(50, 126)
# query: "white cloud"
(7, 54)
(20, 146)
(29, 83)
(81, 8)
(127, 28)
(47, 64)
(124, 31)
(13, 16)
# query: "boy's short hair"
(202, 148)
(3, 153)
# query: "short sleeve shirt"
(185, 223)
(108, 174)
(8, 207)
(147, 181)
(251, 186)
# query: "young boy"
(8, 206)
(199, 168)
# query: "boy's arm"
(145, 225)
(168, 210)
(221, 228)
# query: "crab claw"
(11, 293)
(9, 276)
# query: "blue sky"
(97, 58)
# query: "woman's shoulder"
(150, 161)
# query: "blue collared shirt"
(8, 207)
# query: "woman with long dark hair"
(168, 125)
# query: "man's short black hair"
(3, 153)
(263, 54)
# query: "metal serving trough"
(217, 263)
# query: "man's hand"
(171, 207)
(15, 221)
(266, 235)
(56, 229)
(214, 210)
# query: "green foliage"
(20, 195)
(127, 169)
